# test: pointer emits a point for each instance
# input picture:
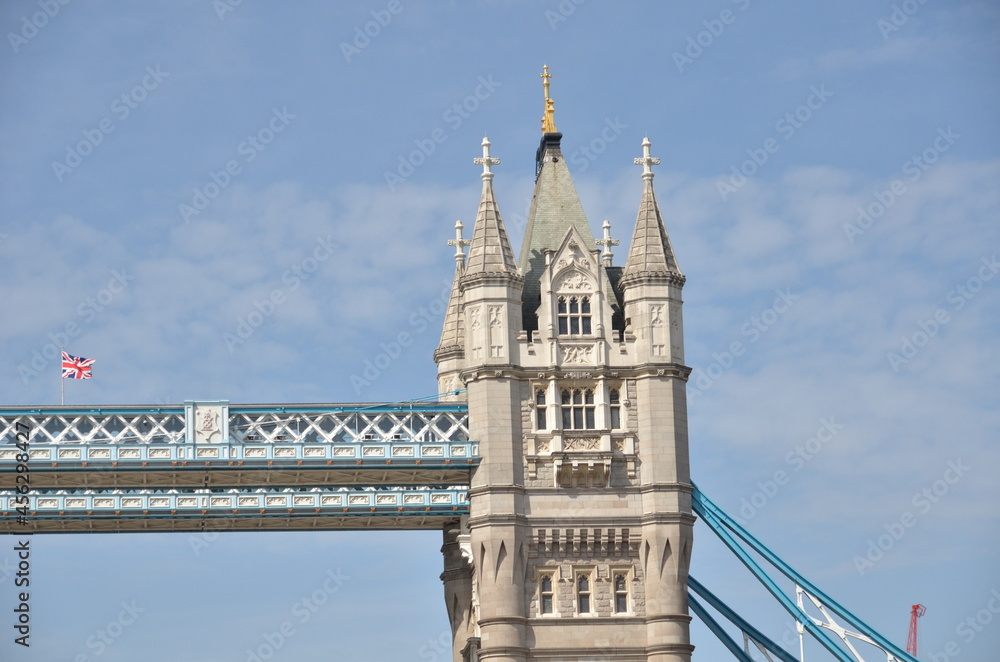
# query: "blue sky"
(829, 182)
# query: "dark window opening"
(540, 409)
(574, 316)
(614, 408)
(583, 594)
(621, 594)
(545, 594)
(578, 409)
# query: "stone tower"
(579, 538)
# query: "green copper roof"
(555, 207)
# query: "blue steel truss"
(394, 464)
(732, 533)
(747, 629)
(95, 504)
(415, 421)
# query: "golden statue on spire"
(549, 119)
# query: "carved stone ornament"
(576, 355)
(582, 444)
(208, 421)
(575, 281)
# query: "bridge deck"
(182, 465)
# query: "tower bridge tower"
(579, 536)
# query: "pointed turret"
(451, 349)
(650, 255)
(489, 252)
(452, 335)
(490, 283)
(651, 282)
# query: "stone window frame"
(590, 573)
(614, 405)
(541, 408)
(627, 572)
(549, 412)
(552, 575)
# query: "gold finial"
(549, 119)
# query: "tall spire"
(650, 253)
(549, 118)
(489, 250)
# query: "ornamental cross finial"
(607, 243)
(549, 119)
(486, 161)
(646, 161)
(458, 242)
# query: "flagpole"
(62, 382)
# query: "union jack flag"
(76, 367)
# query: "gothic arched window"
(574, 315)
(621, 594)
(545, 594)
(583, 594)
(614, 409)
(540, 409)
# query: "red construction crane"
(916, 611)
